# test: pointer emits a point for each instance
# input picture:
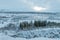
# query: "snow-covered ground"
(5, 37)
(36, 34)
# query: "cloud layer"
(28, 5)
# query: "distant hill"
(29, 12)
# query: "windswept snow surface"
(15, 19)
(5, 37)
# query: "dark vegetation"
(9, 26)
(42, 24)
(30, 25)
(25, 25)
(39, 23)
(53, 24)
(35, 24)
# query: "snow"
(21, 18)
(5, 37)
(42, 38)
(45, 32)
(57, 21)
(27, 33)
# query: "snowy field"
(13, 33)
(5, 37)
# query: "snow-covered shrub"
(24, 25)
(53, 24)
(10, 26)
(39, 23)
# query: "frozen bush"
(39, 23)
(24, 25)
(10, 26)
(53, 24)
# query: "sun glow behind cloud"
(37, 8)
(34, 6)
(31, 5)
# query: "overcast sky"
(31, 5)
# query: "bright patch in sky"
(30, 5)
(36, 8)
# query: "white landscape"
(13, 32)
(29, 19)
(5, 37)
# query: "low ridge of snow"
(5, 37)
(23, 17)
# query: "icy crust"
(48, 33)
(29, 34)
(6, 37)
(11, 29)
(14, 32)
